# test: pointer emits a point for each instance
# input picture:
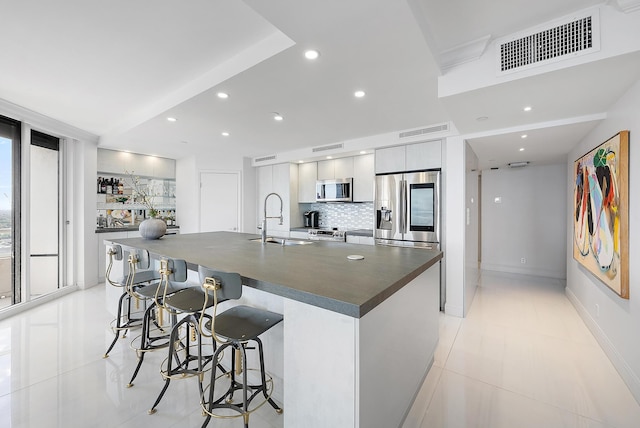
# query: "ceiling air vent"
(518, 164)
(264, 158)
(423, 131)
(571, 38)
(329, 147)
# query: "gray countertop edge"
(349, 309)
(328, 303)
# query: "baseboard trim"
(523, 271)
(626, 372)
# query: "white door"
(219, 200)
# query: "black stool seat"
(149, 291)
(242, 323)
(188, 300)
(142, 276)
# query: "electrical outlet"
(523, 260)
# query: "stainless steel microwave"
(336, 190)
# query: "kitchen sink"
(282, 241)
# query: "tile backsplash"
(343, 216)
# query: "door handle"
(403, 206)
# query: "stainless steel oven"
(336, 190)
(327, 235)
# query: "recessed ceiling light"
(300, 161)
(522, 149)
(225, 134)
(527, 108)
(363, 152)
(172, 119)
(223, 95)
(311, 54)
(359, 94)
(329, 157)
(524, 136)
(482, 118)
(277, 116)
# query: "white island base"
(341, 371)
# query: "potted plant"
(152, 227)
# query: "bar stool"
(173, 277)
(183, 361)
(235, 328)
(134, 280)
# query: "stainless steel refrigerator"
(407, 209)
(407, 212)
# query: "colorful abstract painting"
(601, 212)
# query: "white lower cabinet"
(362, 240)
(299, 235)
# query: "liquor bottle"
(99, 188)
(109, 188)
(120, 187)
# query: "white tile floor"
(52, 374)
(522, 358)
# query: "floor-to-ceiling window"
(10, 292)
(31, 204)
(44, 214)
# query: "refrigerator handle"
(403, 206)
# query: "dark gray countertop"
(356, 232)
(318, 274)
(125, 229)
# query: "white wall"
(453, 167)
(529, 222)
(84, 212)
(472, 227)
(188, 186)
(615, 324)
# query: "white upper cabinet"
(424, 155)
(335, 168)
(411, 157)
(343, 167)
(307, 176)
(391, 159)
(363, 177)
(326, 170)
(123, 163)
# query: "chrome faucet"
(264, 220)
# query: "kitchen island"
(358, 335)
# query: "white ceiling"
(118, 69)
